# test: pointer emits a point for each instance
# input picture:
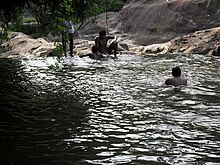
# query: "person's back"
(176, 80)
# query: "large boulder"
(201, 42)
(23, 45)
(108, 21)
(156, 21)
(206, 42)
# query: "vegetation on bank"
(40, 17)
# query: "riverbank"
(152, 27)
(204, 42)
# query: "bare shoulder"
(169, 81)
(176, 81)
(97, 38)
(184, 81)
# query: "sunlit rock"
(158, 21)
(23, 45)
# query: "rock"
(158, 21)
(200, 42)
(123, 46)
(206, 42)
(216, 51)
(93, 25)
(23, 45)
(180, 26)
(129, 52)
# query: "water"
(78, 111)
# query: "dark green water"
(77, 111)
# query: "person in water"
(176, 80)
(71, 32)
(101, 43)
(69, 29)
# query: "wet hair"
(176, 72)
(102, 33)
(94, 49)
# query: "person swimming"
(176, 80)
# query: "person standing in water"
(71, 35)
(69, 28)
(176, 80)
(101, 43)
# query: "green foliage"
(33, 30)
(50, 15)
(16, 25)
(58, 51)
(54, 67)
(3, 36)
(30, 20)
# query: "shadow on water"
(79, 111)
(34, 118)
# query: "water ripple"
(80, 111)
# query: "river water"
(74, 111)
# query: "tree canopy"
(11, 9)
(49, 15)
(75, 10)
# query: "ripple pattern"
(78, 111)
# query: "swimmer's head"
(176, 72)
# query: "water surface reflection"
(79, 111)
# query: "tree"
(42, 10)
(11, 9)
(51, 14)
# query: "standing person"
(101, 43)
(71, 35)
(69, 28)
(176, 80)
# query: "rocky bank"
(143, 27)
(23, 45)
(156, 21)
(205, 42)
